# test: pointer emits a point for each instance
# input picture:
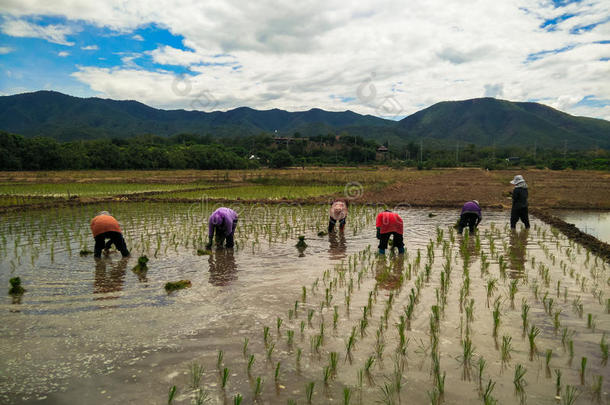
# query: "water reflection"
(468, 249)
(109, 276)
(517, 251)
(337, 246)
(389, 273)
(223, 269)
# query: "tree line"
(192, 151)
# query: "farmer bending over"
(519, 209)
(105, 226)
(223, 222)
(389, 223)
(471, 216)
(338, 212)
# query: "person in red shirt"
(105, 226)
(389, 224)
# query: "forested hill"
(489, 121)
(63, 117)
(482, 122)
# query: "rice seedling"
(583, 369)
(276, 375)
(201, 397)
(289, 337)
(250, 363)
(519, 381)
(488, 399)
(335, 316)
(571, 349)
(591, 322)
(596, 388)
(310, 314)
(547, 356)
(506, 349)
(258, 388)
(333, 360)
(603, 345)
(491, 288)
(326, 374)
(196, 374)
(225, 377)
(466, 359)
(512, 290)
(266, 335)
(481, 364)
(270, 350)
(368, 364)
(302, 327)
(387, 394)
(237, 399)
(531, 336)
(244, 348)
(298, 356)
(303, 295)
(556, 321)
(569, 396)
(171, 394)
(219, 360)
(347, 395)
(279, 325)
(434, 397)
(16, 288)
(496, 318)
(557, 384)
(309, 391)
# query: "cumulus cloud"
(63, 54)
(319, 53)
(55, 33)
(90, 48)
(6, 49)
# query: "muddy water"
(594, 223)
(88, 332)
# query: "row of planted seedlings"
(377, 330)
(156, 229)
(544, 318)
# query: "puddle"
(96, 332)
(594, 223)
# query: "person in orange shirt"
(105, 226)
(389, 224)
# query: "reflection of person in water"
(389, 273)
(337, 246)
(109, 280)
(223, 269)
(468, 251)
(517, 249)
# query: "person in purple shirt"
(223, 222)
(470, 216)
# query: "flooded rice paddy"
(512, 317)
(594, 223)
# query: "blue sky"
(383, 58)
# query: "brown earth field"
(548, 189)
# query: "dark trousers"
(397, 240)
(468, 219)
(519, 214)
(116, 239)
(221, 237)
(332, 222)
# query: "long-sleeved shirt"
(472, 207)
(388, 221)
(519, 198)
(104, 223)
(223, 218)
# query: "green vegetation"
(257, 192)
(84, 189)
(177, 285)
(16, 288)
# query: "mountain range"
(481, 121)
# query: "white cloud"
(55, 33)
(63, 54)
(295, 56)
(90, 48)
(138, 37)
(6, 49)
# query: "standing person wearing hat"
(470, 216)
(105, 226)
(519, 208)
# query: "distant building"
(382, 153)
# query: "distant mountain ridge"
(481, 121)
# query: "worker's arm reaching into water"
(222, 223)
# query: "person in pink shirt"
(389, 224)
(338, 212)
